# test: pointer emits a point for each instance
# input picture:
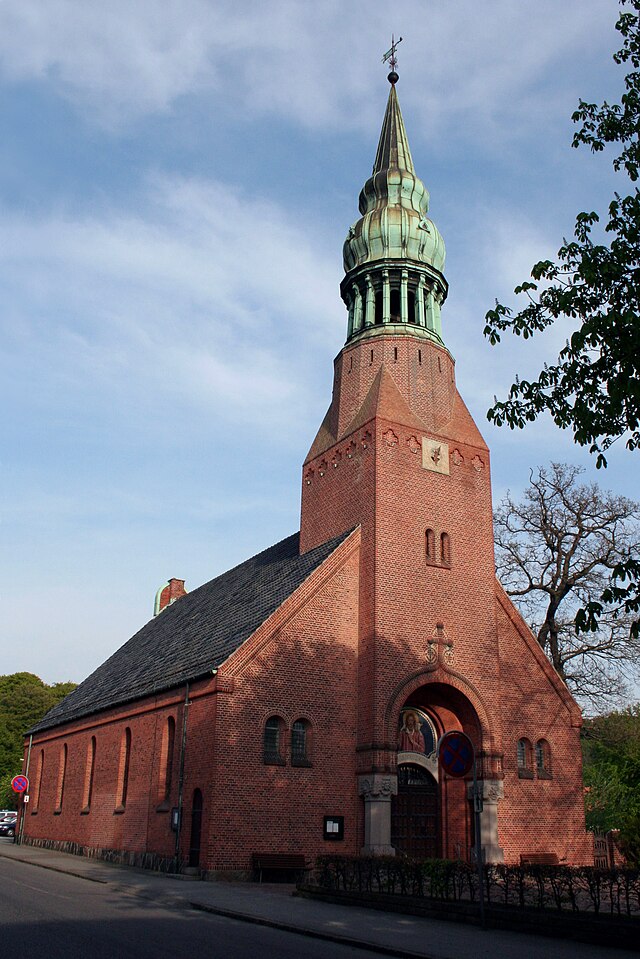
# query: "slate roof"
(196, 634)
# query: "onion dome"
(394, 254)
(394, 203)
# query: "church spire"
(394, 254)
(393, 148)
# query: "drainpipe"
(181, 776)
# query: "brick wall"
(142, 822)
(303, 667)
(539, 814)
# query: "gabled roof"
(196, 634)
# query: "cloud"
(495, 251)
(312, 64)
(193, 295)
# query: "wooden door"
(414, 814)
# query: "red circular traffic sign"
(456, 754)
(19, 784)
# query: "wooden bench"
(280, 861)
(538, 859)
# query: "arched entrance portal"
(431, 815)
(415, 829)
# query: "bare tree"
(556, 552)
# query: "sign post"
(20, 785)
(457, 757)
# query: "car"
(8, 824)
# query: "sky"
(176, 183)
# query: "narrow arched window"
(123, 771)
(38, 789)
(543, 759)
(525, 759)
(88, 775)
(301, 743)
(445, 549)
(430, 545)
(62, 772)
(273, 742)
(166, 759)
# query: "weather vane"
(390, 55)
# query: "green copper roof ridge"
(393, 147)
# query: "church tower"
(399, 455)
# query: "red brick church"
(294, 703)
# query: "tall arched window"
(166, 760)
(525, 759)
(543, 759)
(273, 742)
(123, 771)
(430, 546)
(445, 549)
(62, 772)
(301, 743)
(38, 789)
(88, 775)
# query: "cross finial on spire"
(390, 55)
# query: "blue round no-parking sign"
(456, 754)
(19, 784)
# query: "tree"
(611, 753)
(556, 549)
(593, 388)
(24, 699)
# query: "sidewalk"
(274, 905)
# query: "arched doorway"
(415, 829)
(196, 828)
(432, 815)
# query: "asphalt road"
(55, 916)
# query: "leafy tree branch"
(593, 387)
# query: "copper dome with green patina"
(394, 254)
(394, 203)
